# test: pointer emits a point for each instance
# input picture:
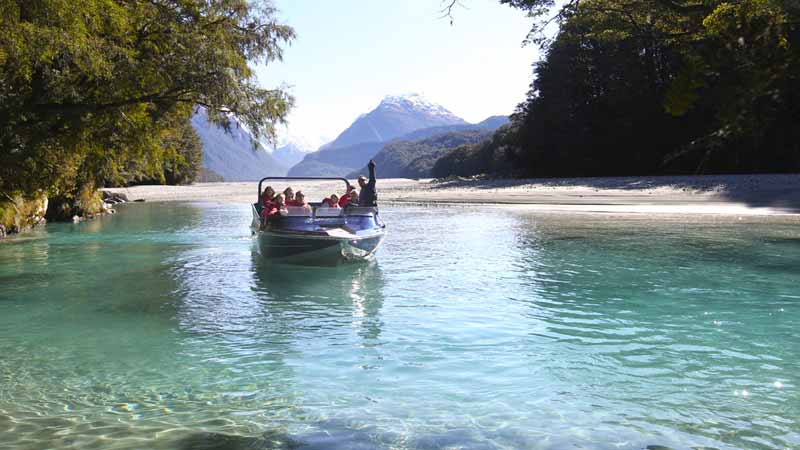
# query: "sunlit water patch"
(490, 328)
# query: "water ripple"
(475, 328)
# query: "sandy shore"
(714, 194)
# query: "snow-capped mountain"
(395, 116)
(419, 104)
(231, 155)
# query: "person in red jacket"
(300, 200)
(273, 210)
(353, 198)
(346, 197)
(288, 194)
(267, 196)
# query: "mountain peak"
(395, 116)
(410, 96)
(417, 103)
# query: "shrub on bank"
(19, 212)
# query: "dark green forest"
(100, 92)
(643, 87)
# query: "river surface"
(475, 328)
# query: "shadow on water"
(218, 441)
(334, 436)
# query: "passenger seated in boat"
(288, 194)
(346, 197)
(353, 198)
(267, 196)
(300, 200)
(334, 201)
(276, 208)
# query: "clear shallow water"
(161, 327)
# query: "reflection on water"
(474, 328)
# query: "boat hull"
(317, 250)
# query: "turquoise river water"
(491, 328)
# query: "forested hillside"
(652, 87)
(415, 159)
(101, 92)
(233, 154)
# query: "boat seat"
(298, 211)
(324, 211)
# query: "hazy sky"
(349, 54)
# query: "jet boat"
(317, 235)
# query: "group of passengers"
(275, 204)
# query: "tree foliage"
(101, 92)
(657, 86)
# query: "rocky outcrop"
(20, 212)
(85, 204)
(113, 198)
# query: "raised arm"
(371, 167)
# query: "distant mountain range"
(415, 158)
(231, 155)
(405, 134)
(292, 149)
(396, 118)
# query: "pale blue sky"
(349, 54)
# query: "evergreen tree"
(658, 86)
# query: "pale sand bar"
(710, 194)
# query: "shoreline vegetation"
(102, 95)
(760, 194)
